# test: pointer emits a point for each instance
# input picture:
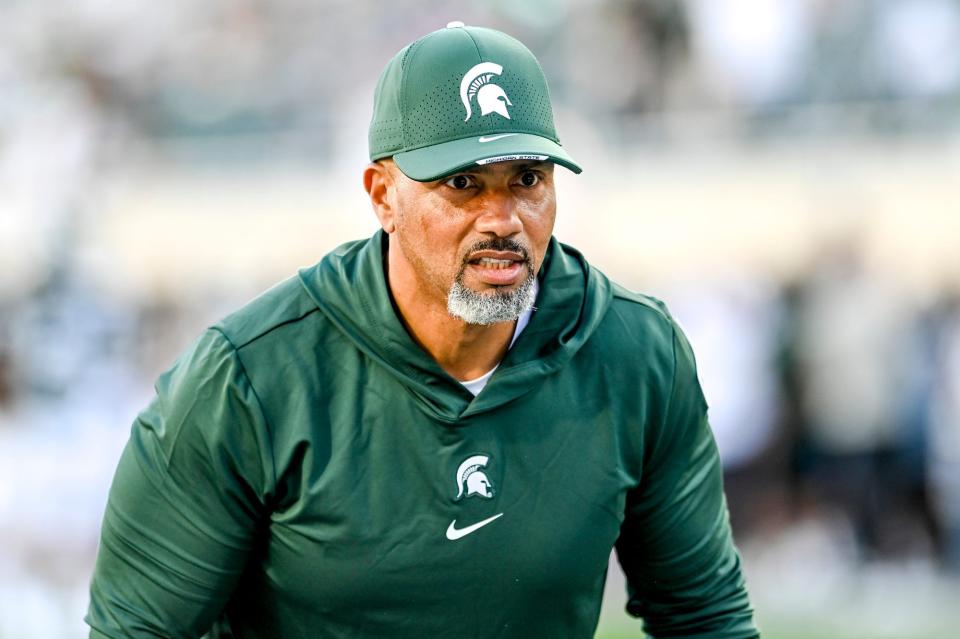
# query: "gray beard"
(490, 308)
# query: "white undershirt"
(476, 385)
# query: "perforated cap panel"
(420, 100)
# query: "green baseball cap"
(460, 97)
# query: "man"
(440, 431)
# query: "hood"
(349, 286)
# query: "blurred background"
(785, 174)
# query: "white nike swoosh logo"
(494, 137)
(453, 533)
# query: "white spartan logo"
(471, 480)
(490, 97)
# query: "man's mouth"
(498, 268)
(494, 259)
(489, 262)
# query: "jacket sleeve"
(675, 546)
(186, 501)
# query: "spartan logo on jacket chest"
(471, 480)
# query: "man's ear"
(380, 186)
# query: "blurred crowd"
(248, 81)
(90, 88)
(835, 396)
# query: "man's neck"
(465, 351)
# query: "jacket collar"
(350, 287)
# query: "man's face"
(477, 238)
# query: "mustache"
(498, 244)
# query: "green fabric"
(298, 470)
(433, 162)
(430, 102)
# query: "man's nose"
(499, 213)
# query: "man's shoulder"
(640, 303)
(637, 331)
(638, 307)
(284, 304)
(642, 313)
(630, 320)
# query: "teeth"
(489, 262)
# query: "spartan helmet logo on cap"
(490, 97)
(471, 480)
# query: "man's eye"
(459, 182)
(529, 178)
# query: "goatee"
(498, 305)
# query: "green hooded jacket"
(307, 471)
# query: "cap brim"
(440, 160)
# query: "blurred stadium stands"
(785, 174)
